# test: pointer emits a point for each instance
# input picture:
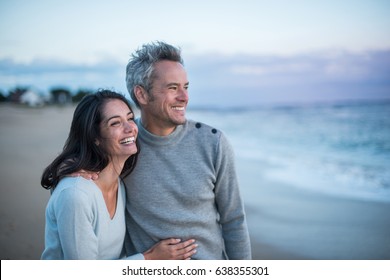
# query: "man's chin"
(180, 121)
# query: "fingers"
(171, 249)
(179, 250)
(177, 244)
(188, 252)
(170, 241)
(85, 174)
(188, 255)
(185, 244)
(185, 249)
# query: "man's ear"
(141, 95)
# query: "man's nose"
(183, 94)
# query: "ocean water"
(340, 149)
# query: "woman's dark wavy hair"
(80, 151)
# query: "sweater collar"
(151, 139)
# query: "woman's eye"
(115, 123)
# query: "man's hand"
(86, 175)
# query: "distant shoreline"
(286, 105)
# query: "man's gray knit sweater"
(185, 186)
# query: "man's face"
(168, 97)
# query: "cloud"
(253, 80)
(232, 80)
(45, 74)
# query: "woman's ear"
(97, 143)
(141, 95)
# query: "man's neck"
(157, 128)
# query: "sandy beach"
(285, 222)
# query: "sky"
(236, 52)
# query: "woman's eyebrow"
(117, 116)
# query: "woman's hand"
(171, 249)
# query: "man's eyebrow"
(173, 84)
(176, 84)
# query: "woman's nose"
(129, 127)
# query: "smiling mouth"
(177, 108)
(129, 140)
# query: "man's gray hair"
(140, 69)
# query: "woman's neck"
(108, 177)
(108, 184)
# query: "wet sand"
(284, 222)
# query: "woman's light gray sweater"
(185, 186)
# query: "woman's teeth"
(128, 140)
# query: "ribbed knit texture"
(78, 225)
(185, 186)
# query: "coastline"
(290, 223)
(285, 222)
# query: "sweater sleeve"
(138, 256)
(76, 225)
(230, 205)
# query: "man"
(184, 184)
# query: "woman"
(85, 219)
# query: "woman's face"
(118, 129)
